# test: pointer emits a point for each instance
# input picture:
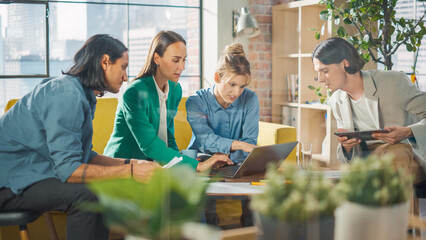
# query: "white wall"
(217, 33)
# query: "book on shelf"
(289, 116)
(292, 87)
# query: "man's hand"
(240, 145)
(348, 144)
(247, 147)
(143, 170)
(395, 135)
(217, 160)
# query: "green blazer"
(136, 124)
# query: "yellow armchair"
(102, 124)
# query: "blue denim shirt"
(214, 128)
(47, 133)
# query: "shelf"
(288, 104)
(292, 46)
(296, 4)
(304, 105)
(315, 106)
(305, 55)
(294, 55)
(291, 55)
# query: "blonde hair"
(159, 45)
(234, 61)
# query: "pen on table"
(258, 183)
(264, 183)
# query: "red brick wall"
(260, 54)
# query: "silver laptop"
(256, 161)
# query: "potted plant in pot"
(158, 209)
(377, 200)
(295, 205)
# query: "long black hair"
(87, 61)
(335, 50)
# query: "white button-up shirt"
(162, 98)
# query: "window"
(25, 44)
(402, 59)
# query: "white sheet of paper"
(173, 162)
(233, 188)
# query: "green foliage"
(156, 209)
(375, 182)
(295, 196)
(322, 97)
(375, 24)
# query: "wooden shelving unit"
(292, 44)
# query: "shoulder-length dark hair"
(159, 45)
(87, 61)
(335, 50)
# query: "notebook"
(256, 161)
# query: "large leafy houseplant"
(377, 30)
(156, 210)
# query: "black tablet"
(362, 135)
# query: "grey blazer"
(392, 100)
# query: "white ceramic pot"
(131, 237)
(355, 221)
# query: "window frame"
(47, 59)
(47, 10)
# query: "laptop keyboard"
(226, 171)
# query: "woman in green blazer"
(144, 126)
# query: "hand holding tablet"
(362, 135)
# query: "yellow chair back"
(9, 104)
(102, 124)
(183, 131)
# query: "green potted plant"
(322, 97)
(376, 200)
(154, 210)
(295, 205)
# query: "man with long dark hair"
(46, 141)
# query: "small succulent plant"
(295, 196)
(374, 181)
